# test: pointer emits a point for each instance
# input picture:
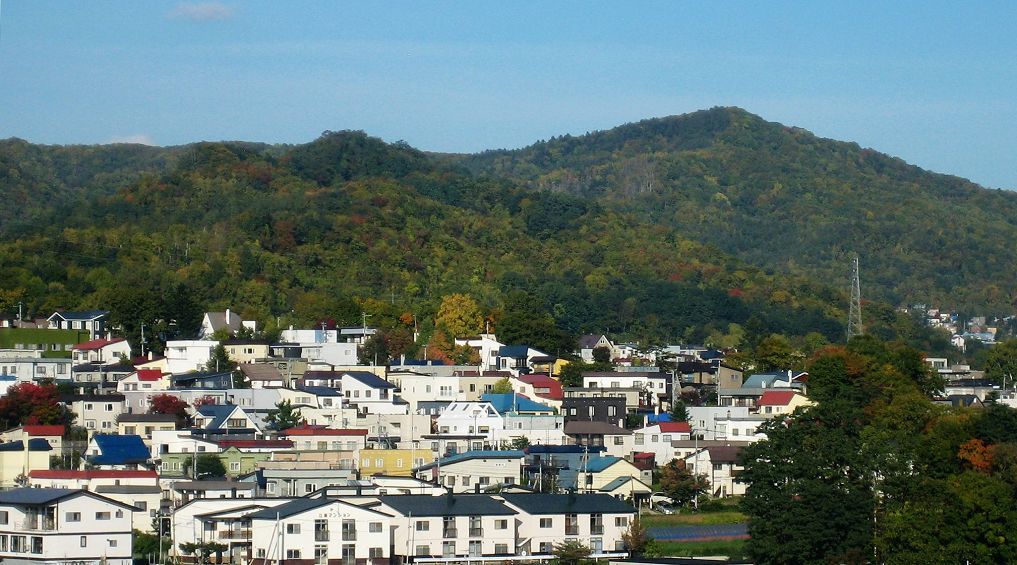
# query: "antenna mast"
(854, 325)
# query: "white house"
(721, 466)
(450, 526)
(92, 321)
(56, 525)
(473, 470)
(229, 321)
(186, 355)
(139, 489)
(657, 439)
(486, 346)
(101, 351)
(588, 343)
(597, 520)
(370, 393)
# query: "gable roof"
(96, 344)
(290, 508)
(66, 474)
(260, 372)
(149, 374)
(622, 481)
(34, 444)
(503, 402)
(119, 450)
(217, 412)
(318, 430)
(218, 321)
(589, 341)
(598, 464)
(675, 427)
(447, 505)
(369, 379)
(554, 389)
(568, 504)
(83, 315)
(38, 496)
(513, 351)
(776, 398)
(43, 430)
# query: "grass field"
(729, 548)
(689, 518)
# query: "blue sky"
(933, 83)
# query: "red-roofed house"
(100, 351)
(776, 402)
(541, 387)
(658, 437)
(320, 438)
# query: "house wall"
(267, 538)
(110, 538)
(542, 539)
(425, 535)
(393, 462)
(15, 463)
(465, 476)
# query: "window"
(485, 480)
(112, 542)
(72, 517)
(612, 411)
(545, 523)
(572, 411)
(235, 466)
(236, 423)
(734, 431)
(619, 440)
(476, 548)
(349, 554)
(666, 438)
(365, 463)
(621, 521)
(422, 550)
(374, 527)
(292, 554)
(310, 487)
(597, 524)
(37, 544)
(129, 430)
(120, 513)
(88, 406)
(501, 524)
(639, 439)
(571, 524)
(141, 505)
(349, 530)
(82, 541)
(448, 549)
(321, 554)
(3, 542)
(545, 547)
(109, 407)
(376, 553)
(379, 462)
(501, 549)
(423, 526)
(293, 529)
(261, 552)
(102, 515)
(18, 544)
(654, 438)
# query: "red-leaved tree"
(169, 404)
(29, 403)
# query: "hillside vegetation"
(790, 202)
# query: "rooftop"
(568, 504)
(447, 505)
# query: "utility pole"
(20, 305)
(854, 325)
(143, 339)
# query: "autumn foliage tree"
(30, 403)
(459, 315)
(171, 405)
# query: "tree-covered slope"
(348, 224)
(790, 202)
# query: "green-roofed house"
(474, 471)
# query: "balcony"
(476, 532)
(571, 530)
(235, 534)
(348, 535)
(450, 533)
(597, 530)
(37, 523)
(322, 535)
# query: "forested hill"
(790, 202)
(348, 224)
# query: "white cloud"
(139, 138)
(202, 11)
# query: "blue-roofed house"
(371, 394)
(231, 419)
(513, 403)
(755, 385)
(597, 472)
(474, 471)
(92, 321)
(109, 451)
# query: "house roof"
(644, 455)
(120, 450)
(112, 397)
(67, 474)
(475, 454)
(658, 418)
(447, 505)
(149, 374)
(97, 344)
(38, 496)
(675, 427)
(765, 380)
(34, 444)
(308, 430)
(565, 449)
(255, 443)
(513, 351)
(589, 341)
(82, 315)
(217, 412)
(213, 485)
(320, 390)
(543, 381)
(218, 321)
(568, 504)
(598, 464)
(199, 376)
(577, 427)
(42, 430)
(369, 379)
(260, 372)
(290, 508)
(622, 481)
(504, 403)
(724, 453)
(776, 398)
(127, 489)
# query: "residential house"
(781, 402)
(297, 482)
(183, 492)
(186, 355)
(262, 375)
(474, 470)
(370, 393)
(754, 387)
(544, 464)
(101, 351)
(19, 458)
(246, 350)
(588, 343)
(139, 489)
(657, 439)
(228, 321)
(202, 380)
(32, 366)
(100, 375)
(393, 462)
(55, 525)
(487, 347)
(598, 472)
(517, 358)
(721, 466)
(319, 438)
(319, 530)
(97, 413)
(450, 526)
(580, 404)
(91, 321)
(616, 440)
(145, 425)
(543, 520)
(51, 434)
(108, 451)
(655, 385)
(540, 387)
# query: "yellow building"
(393, 462)
(16, 461)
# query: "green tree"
(503, 386)
(520, 442)
(637, 538)
(283, 416)
(601, 355)
(1001, 362)
(219, 361)
(206, 465)
(775, 353)
(679, 412)
(680, 484)
(571, 552)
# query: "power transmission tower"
(854, 325)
